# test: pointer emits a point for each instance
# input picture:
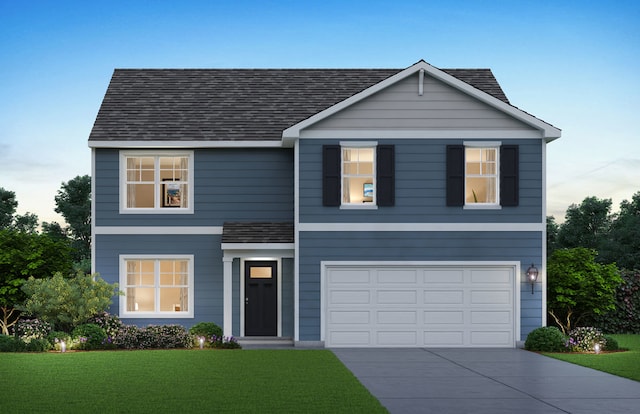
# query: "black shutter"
(509, 175)
(455, 175)
(385, 175)
(331, 175)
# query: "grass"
(622, 364)
(176, 381)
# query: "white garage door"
(462, 305)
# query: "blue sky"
(574, 64)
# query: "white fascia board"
(549, 132)
(185, 144)
(147, 230)
(421, 134)
(421, 227)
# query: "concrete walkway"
(486, 381)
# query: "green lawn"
(623, 364)
(180, 381)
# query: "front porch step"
(265, 342)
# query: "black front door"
(260, 298)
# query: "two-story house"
(335, 207)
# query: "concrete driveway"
(486, 381)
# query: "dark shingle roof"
(272, 232)
(234, 104)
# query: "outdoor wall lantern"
(532, 276)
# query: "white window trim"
(123, 282)
(359, 206)
(484, 144)
(156, 210)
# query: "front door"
(261, 298)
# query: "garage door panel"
(350, 317)
(491, 297)
(452, 297)
(397, 297)
(413, 305)
(396, 276)
(397, 317)
(361, 297)
(442, 275)
(443, 338)
(397, 338)
(443, 317)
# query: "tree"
(67, 302)
(579, 287)
(73, 201)
(8, 206)
(552, 235)
(624, 245)
(586, 225)
(23, 255)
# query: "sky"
(574, 64)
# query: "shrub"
(11, 344)
(55, 337)
(583, 339)
(89, 336)
(128, 337)
(111, 324)
(221, 342)
(153, 337)
(611, 344)
(206, 329)
(545, 339)
(623, 319)
(38, 345)
(28, 329)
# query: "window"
(157, 286)
(358, 177)
(153, 182)
(481, 175)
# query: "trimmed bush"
(55, 337)
(111, 324)
(220, 342)
(89, 336)
(38, 345)
(545, 339)
(611, 343)
(11, 344)
(206, 329)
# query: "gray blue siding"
(229, 185)
(315, 247)
(420, 182)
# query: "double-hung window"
(481, 175)
(156, 182)
(156, 286)
(358, 175)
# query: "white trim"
(548, 131)
(227, 296)
(516, 267)
(359, 144)
(543, 265)
(183, 230)
(184, 144)
(420, 134)
(123, 313)
(482, 144)
(157, 186)
(420, 227)
(296, 241)
(93, 210)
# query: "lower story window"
(157, 286)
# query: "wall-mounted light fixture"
(532, 276)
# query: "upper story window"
(358, 175)
(481, 175)
(156, 182)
